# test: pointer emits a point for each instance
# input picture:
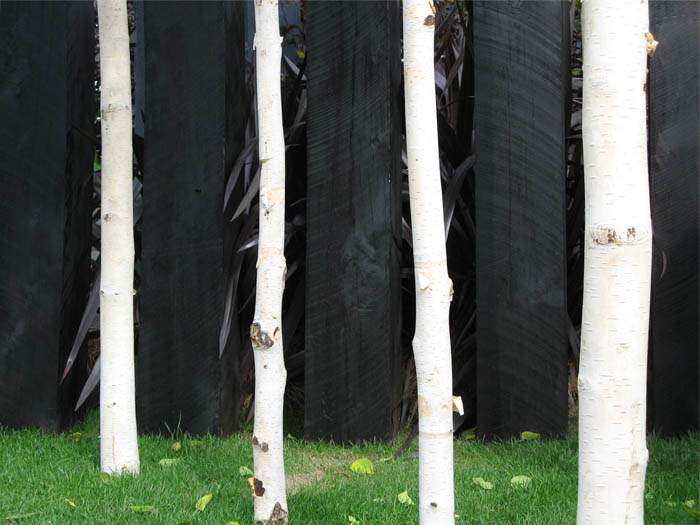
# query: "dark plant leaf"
(293, 314)
(90, 384)
(250, 223)
(453, 189)
(250, 193)
(246, 156)
(88, 316)
(573, 339)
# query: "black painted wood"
(353, 323)
(674, 167)
(46, 96)
(194, 129)
(521, 55)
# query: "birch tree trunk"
(118, 441)
(431, 343)
(266, 330)
(617, 265)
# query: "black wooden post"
(353, 322)
(673, 169)
(46, 110)
(521, 60)
(194, 130)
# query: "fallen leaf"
(142, 508)
(483, 483)
(233, 523)
(76, 436)
(168, 462)
(405, 498)
(353, 520)
(690, 503)
(245, 472)
(362, 466)
(521, 481)
(177, 446)
(105, 477)
(289, 436)
(202, 502)
(692, 512)
(69, 502)
(529, 436)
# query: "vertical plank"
(46, 66)
(521, 53)
(194, 129)
(674, 168)
(353, 323)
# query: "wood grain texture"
(46, 66)
(353, 323)
(194, 129)
(521, 56)
(673, 169)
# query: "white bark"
(266, 330)
(431, 343)
(118, 441)
(617, 265)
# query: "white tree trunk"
(118, 443)
(266, 330)
(617, 265)
(431, 343)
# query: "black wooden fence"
(195, 113)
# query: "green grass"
(42, 472)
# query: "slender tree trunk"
(617, 264)
(118, 441)
(431, 343)
(266, 330)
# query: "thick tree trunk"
(118, 442)
(617, 265)
(266, 330)
(431, 343)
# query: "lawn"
(55, 478)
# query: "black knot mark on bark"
(257, 487)
(278, 516)
(603, 236)
(259, 338)
(263, 446)
(429, 20)
(433, 504)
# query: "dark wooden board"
(194, 127)
(673, 168)
(353, 323)
(521, 58)
(46, 95)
